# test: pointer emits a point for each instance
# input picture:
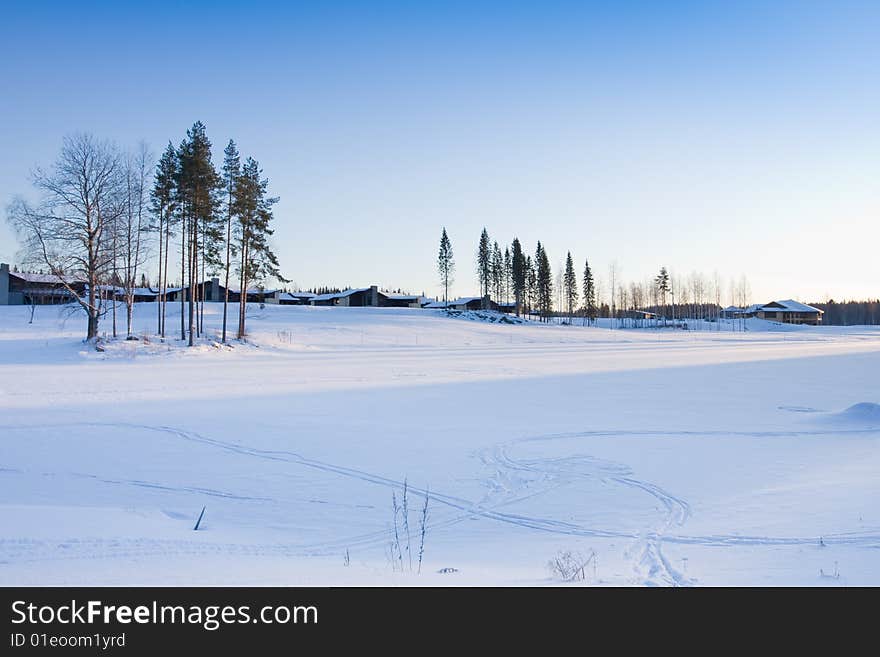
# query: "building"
(467, 303)
(213, 290)
(367, 297)
(25, 288)
(290, 298)
(139, 294)
(790, 312)
(787, 311)
(395, 300)
(364, 296)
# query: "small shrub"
(571, 566)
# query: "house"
(466, 303)
(787, 311)
(364, 296)
(290, 298)
(139, 294)
(368, 297)
(25, 288)
(213, 290)
(394, 300)
(790, 311)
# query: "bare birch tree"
(66, 231)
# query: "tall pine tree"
(198, 187)
(663, 287)
(231, 172)
(570, 287)
(163, 197)
(445, 265)
(544, 281)
(484, 263)
(508, 275)
(590, 310)
(253, 212)
(497, 271)
(519, 274)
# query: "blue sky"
(738, 137)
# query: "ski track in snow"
(513, 480)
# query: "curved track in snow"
(512, 480)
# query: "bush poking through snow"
(834, 574)
(396, 548)
(571, 566)
(423, 526)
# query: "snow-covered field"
(701, 457)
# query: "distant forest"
(849, 313)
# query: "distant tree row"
(509, 273)
(512, 274)
(849, 313)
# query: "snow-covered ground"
(685, 457)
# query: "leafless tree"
(132, 226)
(66, 231)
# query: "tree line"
(104, 213)
(850, 313)
(510, 273)
(514, 275)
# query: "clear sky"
(742, 137)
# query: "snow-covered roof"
(463, 300)
(45, 278)
(291, 296)
(339, 295)
(402, 297)
(790, 305)
(253, 290)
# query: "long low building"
(368, 297)
(472, 303)
(25, 288)
(787, 311)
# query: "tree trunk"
(164, 289)
(183, 252)
(159, 305)
(228, 258)
(193, 266)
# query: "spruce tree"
(519, 274)
(662, 283)
(253, 212)
(484, 263)
(589, 294)
(163, 198)
(497, 271)
(445, 265)
(570, 287)
(198, 186)
(231, 172)
(508, 275)
(531, 284)
(544, 282)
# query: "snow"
(339, 295)
(32, 277)
(791, 305)
(679, 457)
